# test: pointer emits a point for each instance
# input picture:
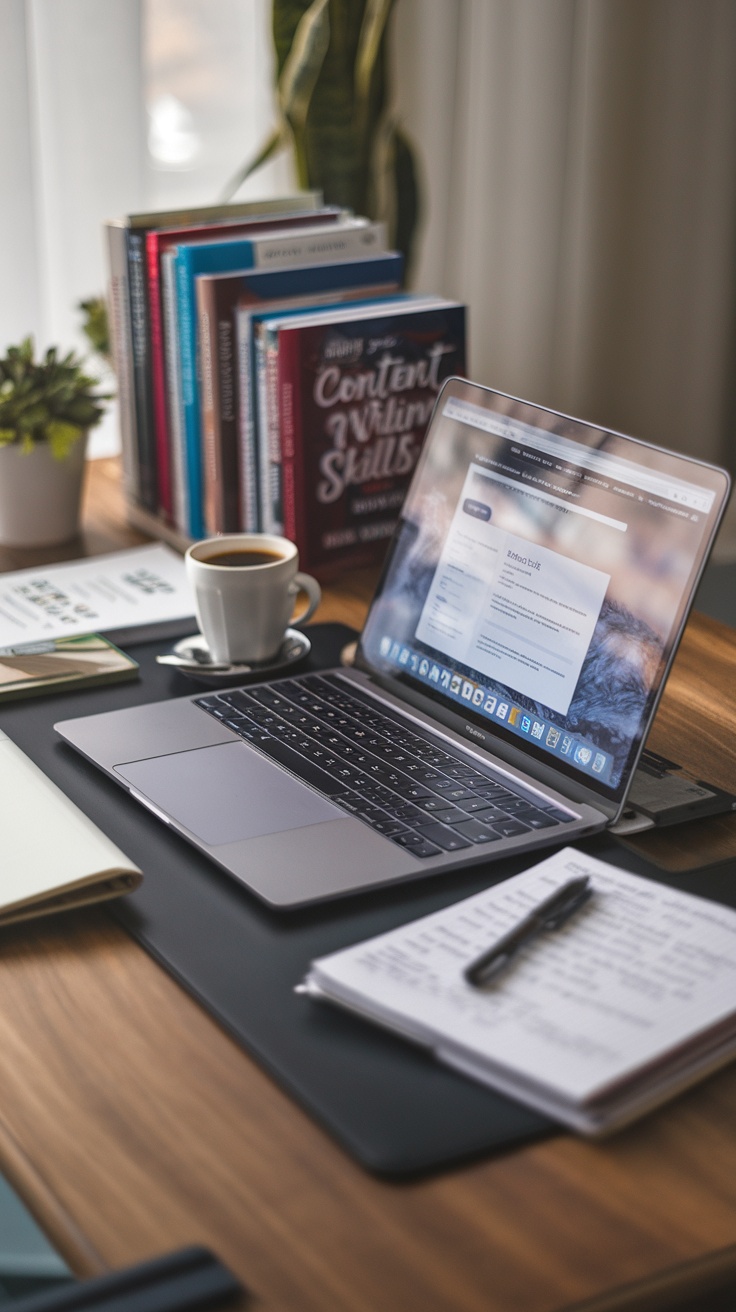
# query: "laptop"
(531, 602)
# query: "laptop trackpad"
(226, 793)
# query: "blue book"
(277, 251)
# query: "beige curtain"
(579, 165)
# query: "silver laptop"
(533, 596)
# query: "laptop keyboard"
(403, 783)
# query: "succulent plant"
(51, 400)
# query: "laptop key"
(388, 827)
(451, 790)
(415, 844)
(412, 791)
(559, 815)
(477, 831)
(537, 819)
(477, 804)
(448, 817)
(510, 828)
(349, 801)
(515, 805)
(448, 839)
(495, 793)
(436, 804)
(405, 811)
(303, 769)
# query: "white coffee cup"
(243, 609)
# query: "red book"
(354, 399)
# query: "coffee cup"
(245, 586)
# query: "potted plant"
(46, 410)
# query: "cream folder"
(52, 857)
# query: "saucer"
(191, 657)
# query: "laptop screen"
(540, 576)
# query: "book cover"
(54, 857)
(353, 237)
(267, 424)
(62, 665)
(354, 401)
(224, 302)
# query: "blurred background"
(577, 160)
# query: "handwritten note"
(635, 975)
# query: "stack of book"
(272, 376)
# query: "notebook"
(53, 857)
(533, 595)
(593, 1023)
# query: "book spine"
(247, 449)
(158, 376)
(290, 428)
(179, 487)
(141, 371)
(189, 393)
(122, 351)
(212, 472)
(348, 243)
(269, 444)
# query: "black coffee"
(248, 556)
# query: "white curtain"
(581, 193)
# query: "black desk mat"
(388, 1103)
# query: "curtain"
(578, 160)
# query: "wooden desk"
(132, 1124)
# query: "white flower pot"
(40, 496)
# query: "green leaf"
(62, 437)
(304, 62)
(372, 32)
(279, 139)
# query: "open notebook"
(594, 1024)
(53, 857)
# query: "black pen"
(551, 913)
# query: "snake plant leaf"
(407, 196)
(370, 49)
(280, 138)
(333, 99)
(303, 63)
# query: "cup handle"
(305, 583)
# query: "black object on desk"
(388, 1103)
(550, 914)
(189, 1279)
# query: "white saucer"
(191, 657)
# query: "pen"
(549, 914)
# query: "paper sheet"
(640, 970)
(147, 585)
